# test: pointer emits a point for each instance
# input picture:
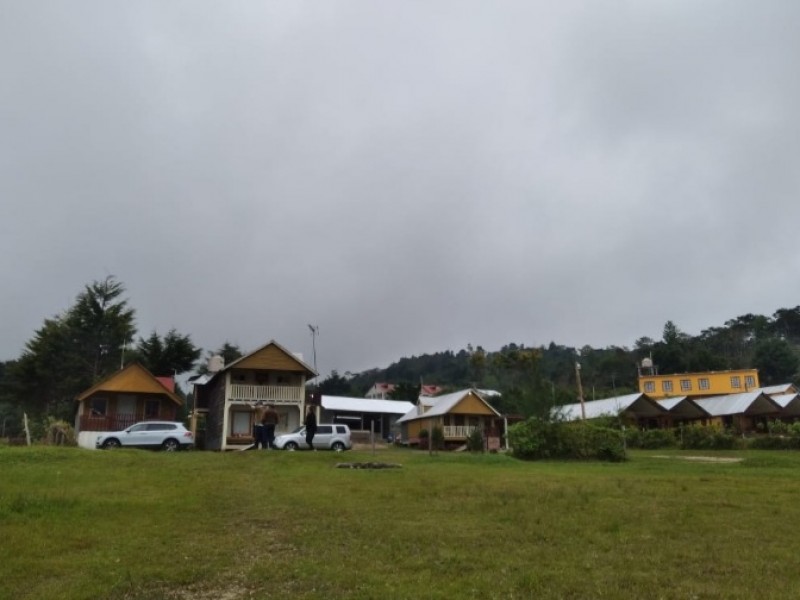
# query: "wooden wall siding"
(215, 419)
(471, 405)
(272, 358)
(134, 380)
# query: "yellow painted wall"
(719, 382)
(471, 405)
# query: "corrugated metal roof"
(440, 405)
(683, 406)
(783, 388)
(611, 407)
(366, 405)
(755, 402)
(783, 400)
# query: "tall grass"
(134, 524)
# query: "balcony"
(272, 394)
(458, 431)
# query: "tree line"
(90, 340)
(534, 379)
(97, 335)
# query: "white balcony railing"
(276, 394)
(458, 431)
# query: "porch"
(272, 394)
(116, 422)
(459, 432)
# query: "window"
(649, 386)
(686, 385)
(325, 429)
(666, 386)
(240, 423)
(98, 407)
(160, 427)
(702, 383)
(736, 381)
(341, 429)
(750, 381)
(151, 409)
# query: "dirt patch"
(708, 459)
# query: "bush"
(58, 433)
(475, 441)
(650, 439)
(537, 439)
(701, 437)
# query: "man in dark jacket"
(311, 427)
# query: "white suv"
(328, 437)
(167, 435)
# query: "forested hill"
(534, 378)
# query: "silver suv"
(167, 435)
(328, 437)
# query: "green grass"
(200, 525)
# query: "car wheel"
(111, 443)
(171, 445)
(290, 446)
(338, 446)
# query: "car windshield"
(299, 429)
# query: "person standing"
(258, 425)
(311, 427)
(270, 420)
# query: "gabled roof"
(750, 403)
(132, 379)
(639, 404)
(441, 405)
(244, 359)
(366, 405)
(783, 388)
(789, 403)
(683, 406)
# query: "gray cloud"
(410, 176)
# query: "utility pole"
(314, 333)
(580, 389)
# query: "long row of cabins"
(224, 398)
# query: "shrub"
(475, 441)
(776, 427)
(536, 439)
(437, 437)
(58, 433)
(700, 437)
(650, 439)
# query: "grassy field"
(199, 525)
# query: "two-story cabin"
(226, 397)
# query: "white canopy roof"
(366, 405)
(640, 404)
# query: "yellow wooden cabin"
(130, 395)
(458, 415)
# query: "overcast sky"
(410, 176)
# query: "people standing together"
(265, 419)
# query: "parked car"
(167, 435)
(328, 437)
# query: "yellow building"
(709, 383)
